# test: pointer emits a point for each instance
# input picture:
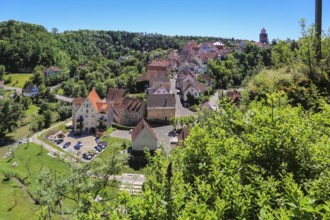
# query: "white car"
(130, 131)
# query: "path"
(58, 97)
(179, 109)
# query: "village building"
(91, 114)
(127, 111)
(160, 107)
(185, 76)
(2, 91)
(192, 89)
(143, 136)
(50, 71)
(30, 90)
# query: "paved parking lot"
(88, 142)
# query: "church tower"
(263, 36)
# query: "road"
(58, 97)
(18, 90)
(180, 110)
(214, 100)
(63, 98)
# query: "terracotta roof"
(162, 100)
(184, 134)
(103, 107)
(1, 83)
(159, 79)
(159, 63)
(152, 74)
(199, 86)
(78, 101)
(114, 94)
(129, 104)
(139, 127)
(94, 98)
(53, 68)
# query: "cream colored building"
(143, 136)
(91, 114)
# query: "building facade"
(91, 114)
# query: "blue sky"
(241, 19)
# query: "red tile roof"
(96, 101)
(114, 94)
(78, 101)
(159, 63)
(139, 127)
(152, 74)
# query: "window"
(86, 110)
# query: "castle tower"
(263, 36)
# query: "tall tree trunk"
(318, 28)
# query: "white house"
(194, 89)
(91, 114)
(30, 90)
(185, 76)
(143, 136)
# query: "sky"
(240, 19)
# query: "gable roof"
(53, 68)
(199, 86)
(139, 127)
(114, 94)
(152, 74)
(162, 100)
(93, 97)
(166, 86)
(78, 101)
(159, 79)
(159, 62)
(29, 88)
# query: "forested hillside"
(265, 158)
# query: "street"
(179, 109)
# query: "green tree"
(10, 115)
(281, 54)
(2, 71)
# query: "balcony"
(79, 126)
(80, 119)
(103, 119)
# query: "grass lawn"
(31, 110)
(31, 160)
(59, 91)
(15, 202)
(18, 79)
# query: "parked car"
(87, 156)
(67, 144)
(172, 133)
(78, 145)
(60, 141)
(101, 146)
(96, 152)
(103, 143)
(98, 148)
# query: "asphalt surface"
(180, 110)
